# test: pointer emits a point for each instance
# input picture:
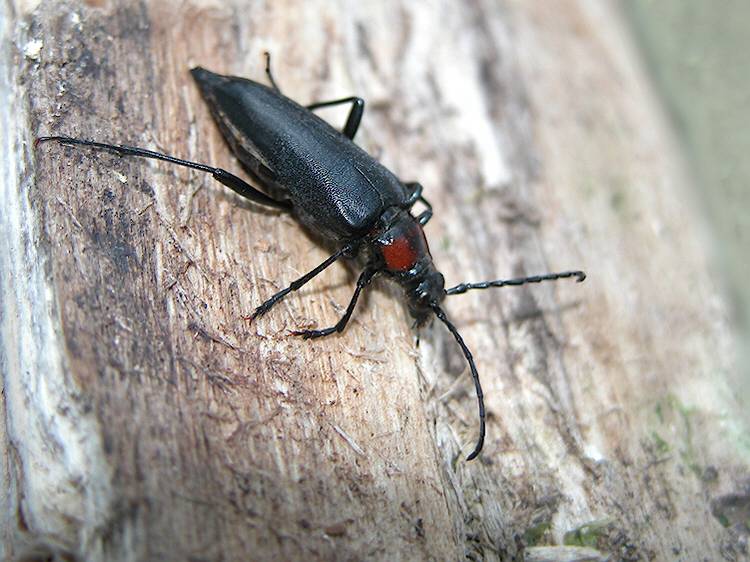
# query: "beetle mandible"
(332, 186)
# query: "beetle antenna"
(239, 186)
(124, 150)
(463, 287)
(474, 375)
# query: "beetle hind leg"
(355, 114)
(236, 184)
(364, 280)
(274, 85)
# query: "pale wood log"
(145, 420)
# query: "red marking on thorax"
(400, 255)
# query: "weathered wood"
(146, 420)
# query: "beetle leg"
(364, 280)
(424, 217)
(347, 251)
(269, 73)
(355, 115)
(234, 183)
(415, 196)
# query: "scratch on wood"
(349, 440)
(69, 211)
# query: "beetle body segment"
(403, 244)
(334, 186)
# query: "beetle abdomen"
(335, 187)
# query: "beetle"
(332, 186)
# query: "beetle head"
(428, 291)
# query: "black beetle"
(332, 186)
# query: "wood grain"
(145, 419)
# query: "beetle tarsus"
(268, 305)
(312, 334)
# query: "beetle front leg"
(347, 251)
(364, 280)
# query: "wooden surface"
(145, 420)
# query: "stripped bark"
(146, 420)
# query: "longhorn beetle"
(332, 186)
